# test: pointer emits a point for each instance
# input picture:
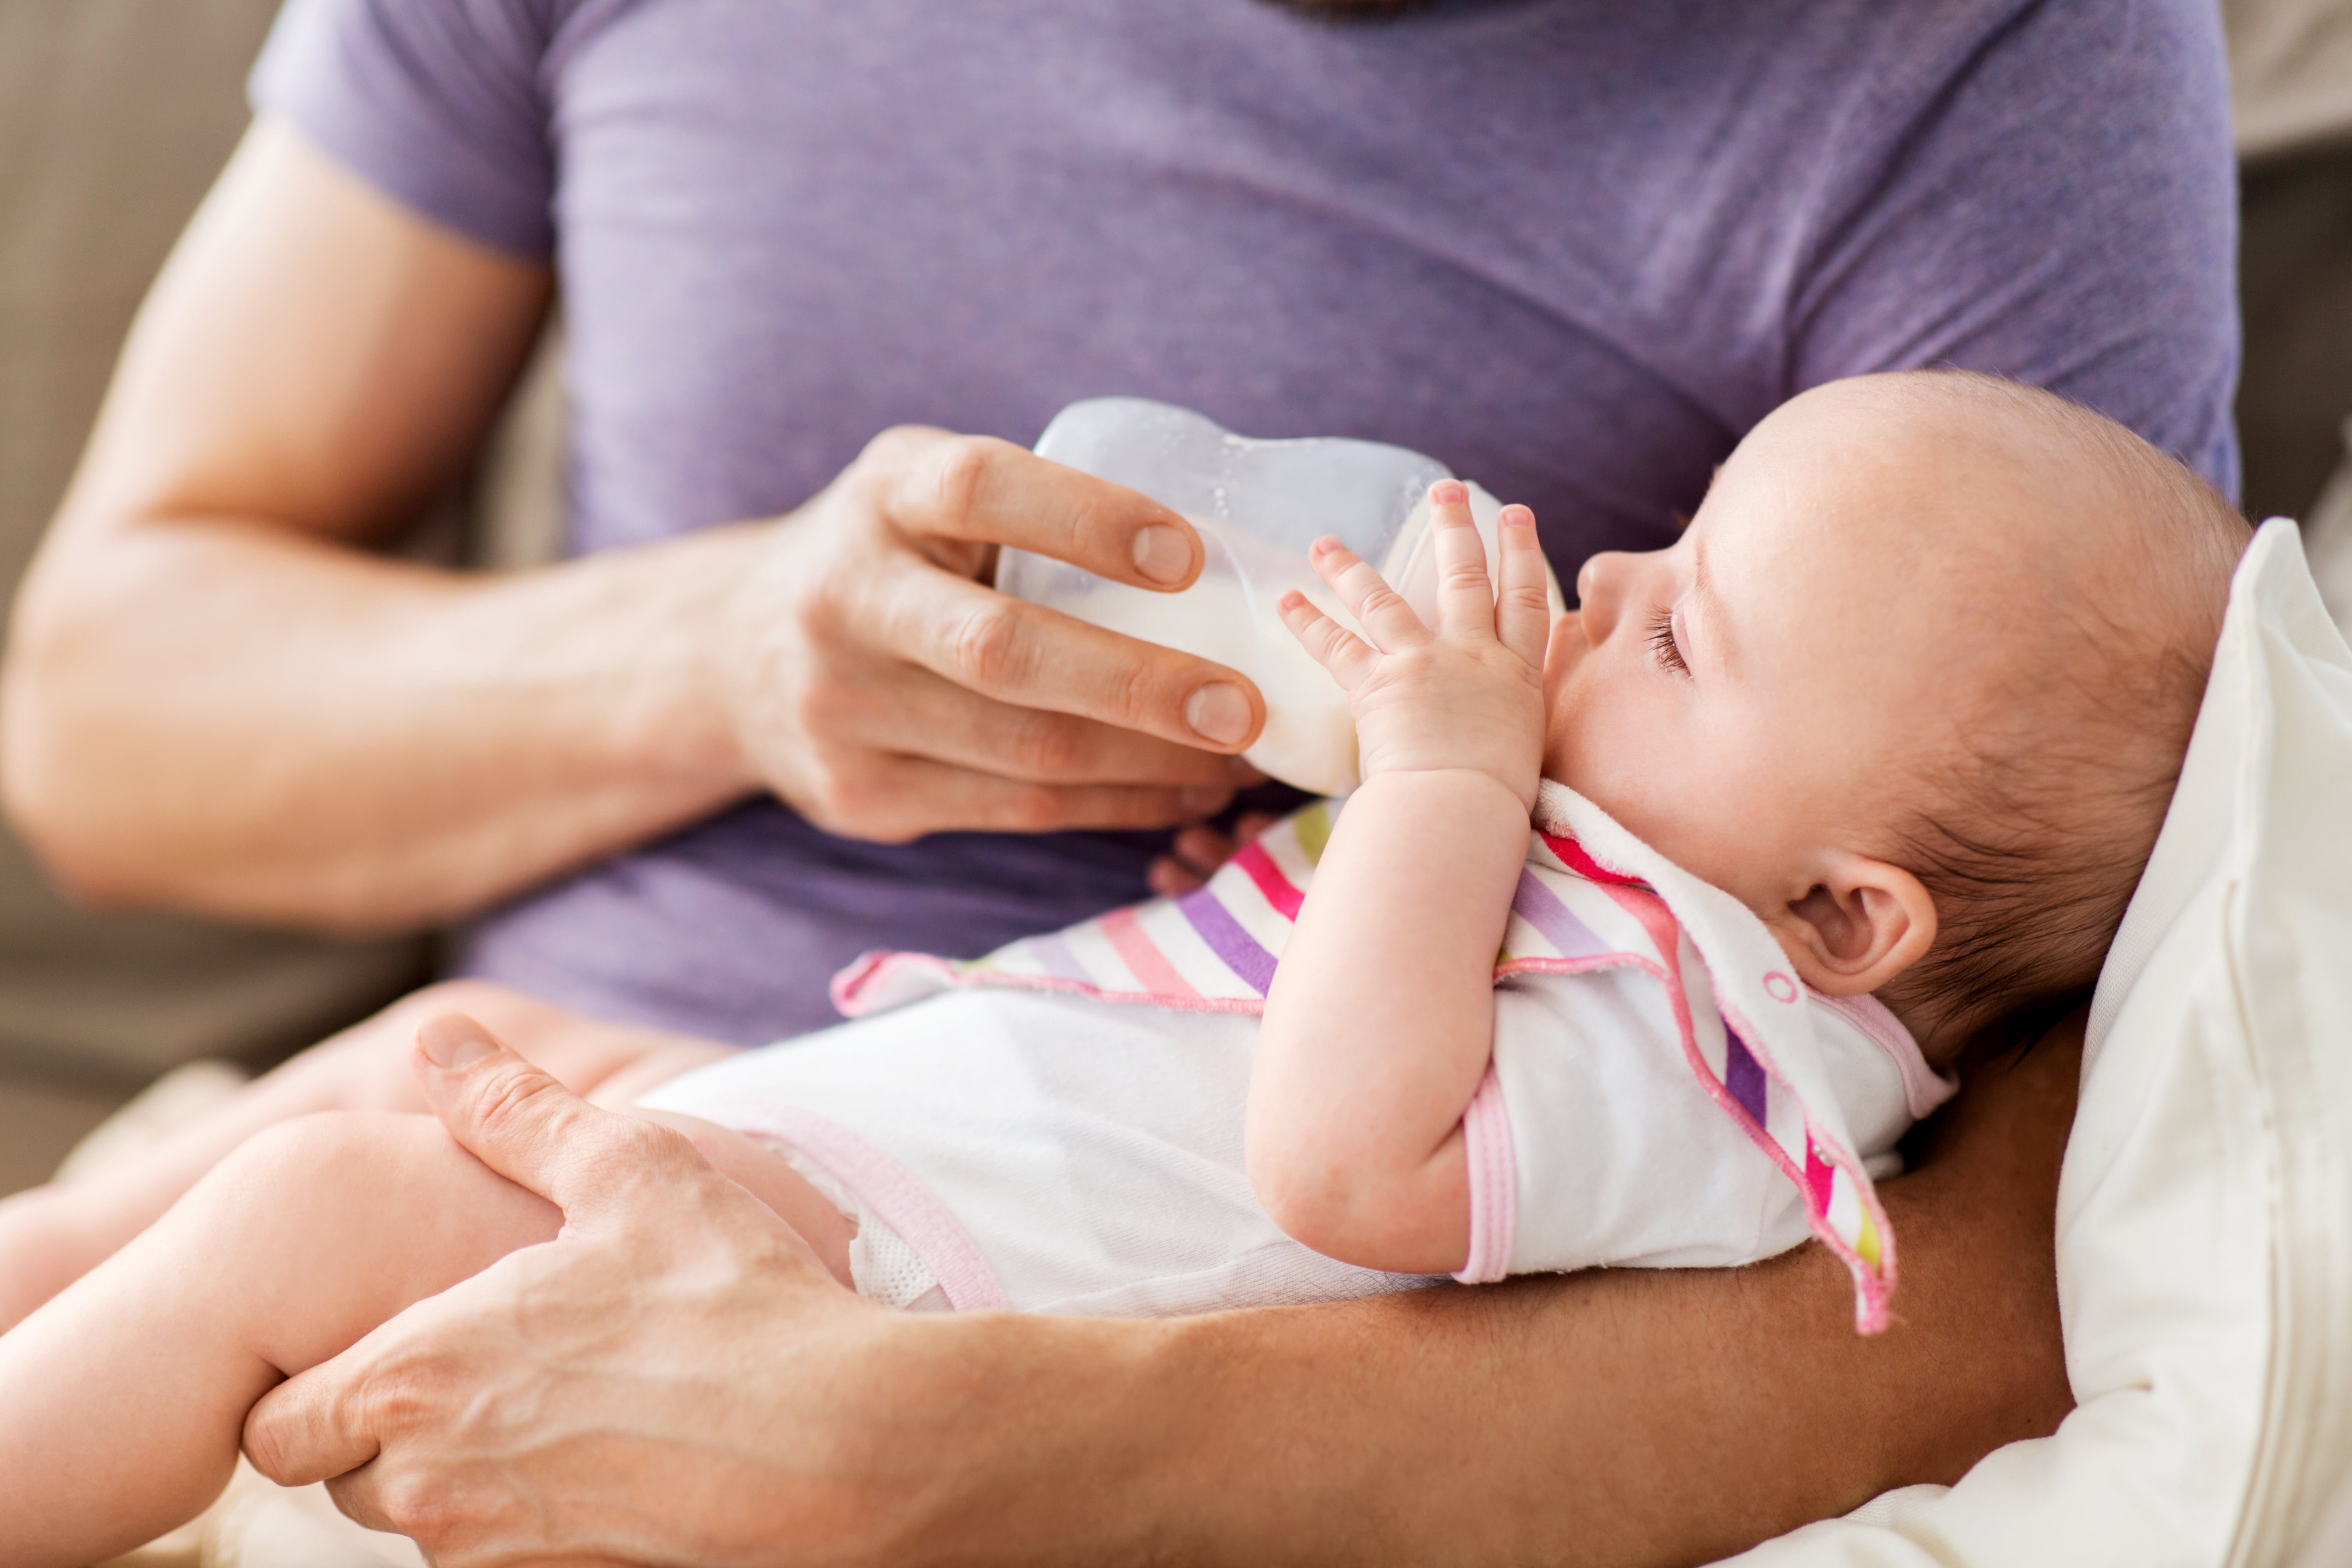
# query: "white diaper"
(883, 1267)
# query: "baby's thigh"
(369, 1062)
(332, 1224)
(336, 1223)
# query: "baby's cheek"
(1662, 788)
(1599, 760)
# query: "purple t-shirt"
(1573, 249)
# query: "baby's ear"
(1862, 925)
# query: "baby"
(1864, 766)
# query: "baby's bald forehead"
(1938, 557)
(2003, 505)
(1882, 543)
(1914, 470)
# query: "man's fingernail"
(1202, 799)
(1218, 711)
(1161, 553)
(1448, 492)
(453, 1042)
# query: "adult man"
(781, 229)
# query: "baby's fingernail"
(1161, 553)
(1218, 711)
(1517, 516)
(453, 1041)
(1447, 492)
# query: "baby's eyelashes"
(1662, 645)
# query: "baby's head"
(1915, 685)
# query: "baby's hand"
(1468, 695)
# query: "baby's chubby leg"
(51, 1236)
(122, 1400)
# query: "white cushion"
(2205, 1207)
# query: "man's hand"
(621, 1393)
(1467, 693)
(880, 688)
(1195, 854)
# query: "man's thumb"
(452, 1042)
(517, 1119)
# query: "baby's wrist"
(1472, 785)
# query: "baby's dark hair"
(2050, 800)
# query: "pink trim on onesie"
(1492, 1163)
(897, 1199)
(1924, 1088)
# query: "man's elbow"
(53, 790)
(49, 807)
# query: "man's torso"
(1571, 250)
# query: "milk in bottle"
(1257, 505)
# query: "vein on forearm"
(263, 725)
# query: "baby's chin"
(1697, 842)
(1627, 807)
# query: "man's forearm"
(235, 719)
(1620, 1417)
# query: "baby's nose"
(1596, 596)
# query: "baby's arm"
(1381, 1021)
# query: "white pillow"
(2205, 1207)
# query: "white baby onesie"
(1059, 1127)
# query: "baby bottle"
(1257, 505)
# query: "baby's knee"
(326, 1160)
(499, 1008)
(365, 1067)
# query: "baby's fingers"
(1330, 644)
(1388, 621)
(1523, 610)
(1466, 597)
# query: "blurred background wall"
(115, 114)
(2291, 67)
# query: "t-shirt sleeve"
(1593, 1143)
(2062, 211)
(441, 104)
